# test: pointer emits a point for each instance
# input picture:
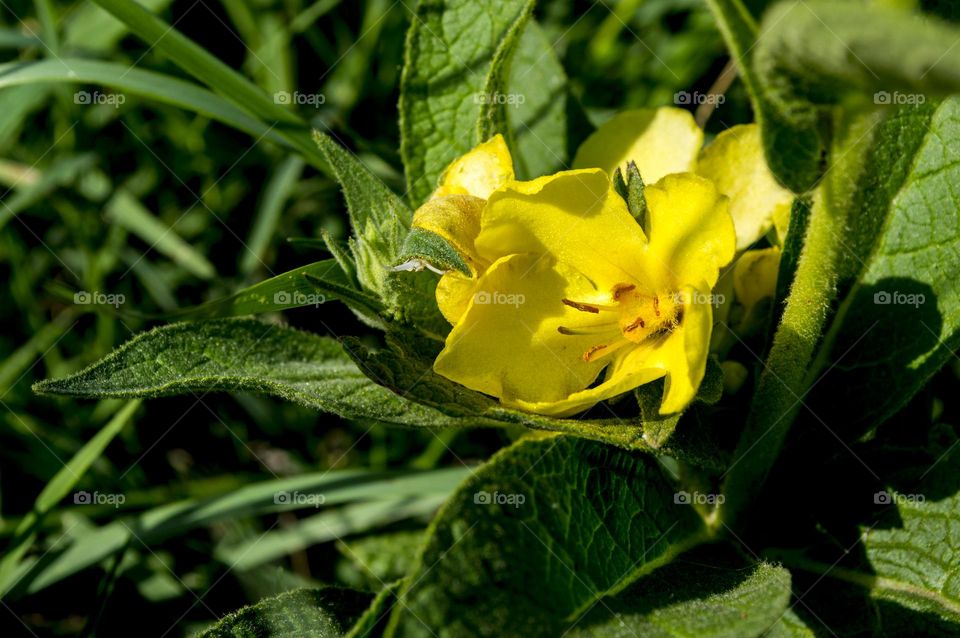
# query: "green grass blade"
(56, 490)
(126, 211)
(148, 84)
(337, 487)
(278, 190)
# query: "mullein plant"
(654, 319)
(530, 302)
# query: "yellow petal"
(454, 292)
(734, 161)
(755, 276)
(507, 343)
(456, 218)
(661, 141)
(575, 216)
(685, 356)
(585, 399)
(781, 222)
(480, 172)
(681, 357)
(691, 232)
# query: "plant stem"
(785, 376)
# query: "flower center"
(632, 317)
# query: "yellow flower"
(565, 286)
(565, 301)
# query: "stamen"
(588, 355)
(602, 350)
(593, 308)
(583, 307)
(596, 329)
(656, 306)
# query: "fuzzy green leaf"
(658, 428)
(493, 112)
(545, 529)
(248, 356)
(302, 613)
(702, 597)
(538, 120)
(451, 50)
(906, 556)
(899, 321)
(427, 246)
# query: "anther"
(583, 307)
(639, 323)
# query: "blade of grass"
(62, 171)
(56, 490)
(199, 63)
(148, 84)
(337, 487)
(277, 192)
(14, 365)
(92, 29)
(126, 211)
(323, 528)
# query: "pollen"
(642, 316)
